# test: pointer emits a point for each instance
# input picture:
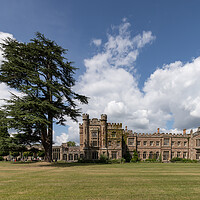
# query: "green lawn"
(98, 181)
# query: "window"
(165, 155)
(138, 143)
(144, 155)
(185, 144)
(118, 143)
(94, 155)
(145, 143)
(75, 156)
(151, 143)
(109, 143)
(131, 141)
(179, 143)
(70, 157)
(94, 143)
(184, 154)
(157, 143)
(198, 155)
(166, 141)
(114, 155)
(157, 155)
(198, 142)
(151, 155)
(113, 134)
(64, 157)
(173, 143)
(94, 134)
(178, 154)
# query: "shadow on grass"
(72, 164)
(54, 164)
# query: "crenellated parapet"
(114, 125)
(95, 121)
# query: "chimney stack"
(158, 130)
(125, 128)
(184, 131)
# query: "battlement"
(95, 121)
(114, 125)
(85, 116)
(104, 117)
(156, 134)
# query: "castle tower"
(86, 137)
(103, 137)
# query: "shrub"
(127, 156)
(151, 160)
(4, 153)
(175, 159)
(103, 158)
(135, 157)
(1, 158)
(14, 154)
(41, 154)
(122, 160)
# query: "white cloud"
(170, 94)
(96, 42)
(5, 90)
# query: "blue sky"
(160, 98)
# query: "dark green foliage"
(40, 71)
(103, 158)
(184, 160)
(41, 154)
(151, 160)
(1, 158)
(135, 157)
(71, 144)
(14, 154)
(127, 156)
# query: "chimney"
(125, 128)
(158, 130)
(184, 131)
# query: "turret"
(86, 130)
(103, 130)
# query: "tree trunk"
(47, 144)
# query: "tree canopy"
(44, 77)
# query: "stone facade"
(99, 137)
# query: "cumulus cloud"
(171, 93)
(96, 42)
(5, 91)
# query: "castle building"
(98, 137)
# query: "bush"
(127, 156)
(1, 158)
(41, 154)
(175, 159)
(151, 160)
(4, 153)
(14, 154)
(103, 158)
(135, 157)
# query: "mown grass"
(100, 181)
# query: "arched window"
(64, 157)
(144, 155)
(75, 156)
(151, 155)
(157, 155)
